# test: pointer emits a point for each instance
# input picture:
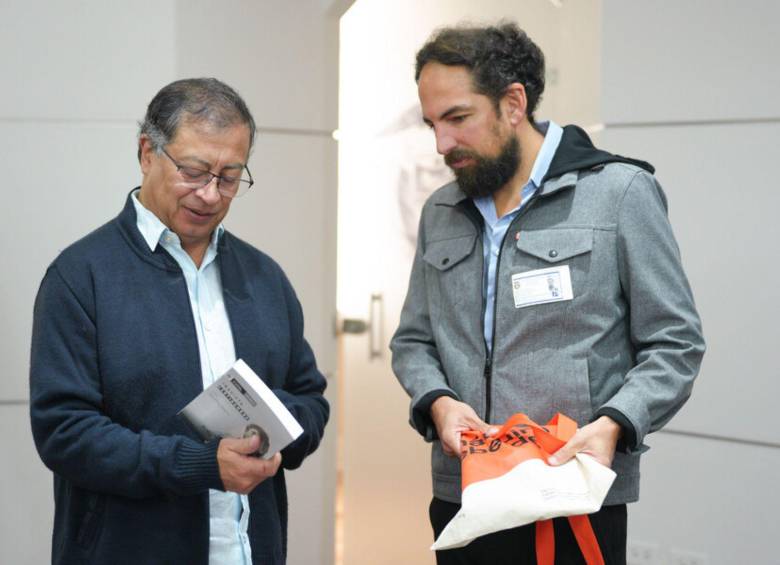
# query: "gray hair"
(198, 100)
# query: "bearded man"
(546, 279)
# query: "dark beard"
(486, 175)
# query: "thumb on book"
(247, 445)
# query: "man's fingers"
(264, 467)
(242, 474)
(452, 417)
(245, 446)
(274, 463)
(604, 460)
(451, 443)
(597, 439)
(563, 454)
(473, 422)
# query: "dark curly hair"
(496, 55)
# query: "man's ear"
(514, 103)
(146, 152)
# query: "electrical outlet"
(683, 557)
(642, 553)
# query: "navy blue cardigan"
(115, 357)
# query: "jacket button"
(445, 260)
(553, 253)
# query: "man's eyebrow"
(234, 166)
(453, 110)
(207, 166)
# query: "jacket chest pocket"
(542, 249)
(452, 279)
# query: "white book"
(240, 404)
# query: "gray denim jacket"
(629, 343)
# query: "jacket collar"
(576, 152)
(235, 279)
(152, 229)
(127, 223)
(449, 195)
(232, 270)
(567, 180)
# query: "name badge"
(542, 286)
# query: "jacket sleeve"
(73, 435)
(664, 326)
(302, 393)
(416, 361)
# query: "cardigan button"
(445, 260)
(553, 253)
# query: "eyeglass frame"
(213, 176)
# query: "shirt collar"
(552, 138)
(153, 230)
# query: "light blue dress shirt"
(228, 511)
(495, 227)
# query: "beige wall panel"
(281, 55)
(723, 210)
(25, 493)
(311, 491)
(85, 59)
(67, 179)
(683, 60)
(711, 499)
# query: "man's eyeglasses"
(227, 185)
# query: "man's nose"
(209, 192)
(444, 142)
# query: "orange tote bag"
(507, 482)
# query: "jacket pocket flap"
(556, 245)
(446, 254)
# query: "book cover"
(239, 404)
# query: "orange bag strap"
(545, 543)
(545, 533)
(583, 533)
(564, 427)
(586, 539)
(550, 437)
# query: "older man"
(546, 279)
(133, 321)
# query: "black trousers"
(517, 546)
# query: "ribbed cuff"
(197, 464)
(421, 414)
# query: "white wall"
(693, 87)
(78, 76)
